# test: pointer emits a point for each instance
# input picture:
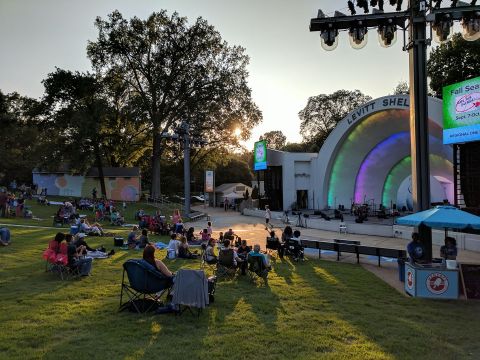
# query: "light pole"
(419, 14)
(182, 134)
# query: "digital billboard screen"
(461, 112)
(260, 155)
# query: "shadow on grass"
(400, 326)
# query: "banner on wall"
(209, 181)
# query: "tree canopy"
(178, 72)
(275, 139)
(323, 112)
(452, 62)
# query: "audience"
(242, 253)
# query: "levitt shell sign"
(461, 112)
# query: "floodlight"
(358, 36)
(351, 7)
(387, 34)
(329, 38)
(442, 29)
(471, 26)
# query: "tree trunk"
(155, 189)
(98, 158)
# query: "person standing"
(94, 193)
(268, 216)
(225, 204)
(416, 250)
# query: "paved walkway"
(253, 230)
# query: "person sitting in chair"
(149, 257)
(242, 253)
(256, 252)
(274, 243)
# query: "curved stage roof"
(367, 157)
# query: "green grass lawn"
(44, 214)
(312, 310)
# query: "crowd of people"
(13, 204)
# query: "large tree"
(275, 139)
(21, 138)
(179, 72)
(452, 62)
(323, 112)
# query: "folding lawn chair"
(226, 266)
(145, 286)
(257, 269)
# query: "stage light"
(380, 5)
(329, 38)
(351, 7)
(364, 5)
(442, 29)
(387, 34)
(471, 26)
(358, 36)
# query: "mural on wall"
(118, 188)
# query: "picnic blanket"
(160, 246)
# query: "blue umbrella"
(442, 217)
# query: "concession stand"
(443, 279)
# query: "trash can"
(401, 269)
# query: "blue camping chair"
(146, 286)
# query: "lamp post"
(418, 15)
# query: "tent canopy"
(442, 217)
(233, 195)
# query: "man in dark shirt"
(416, 250)
(242, 253)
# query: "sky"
(287, 64)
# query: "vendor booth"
(440, 279)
